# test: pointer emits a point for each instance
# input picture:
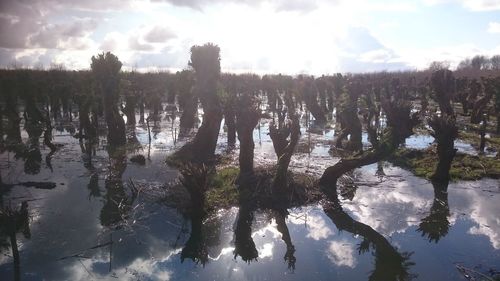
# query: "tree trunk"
(115, 123)
(13, 129)
(229, 117)
(15, 255)
(280, 187)
(445, 133)
(498, 123)
(189, 110)
(129, 109)
(141, 110)
(1, 126)
(314, 108)
(246, 120)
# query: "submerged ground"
(83, 230)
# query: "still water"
(391, 225)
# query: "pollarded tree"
(205, 60)
(462, 93)
(348, 115)
(496, 89)
(188, 101)
(106, 70)
(9, 94)
(128, 88)
(230, 82)
(400, 124)
(444, 126)
(247, 118)
(309, 91)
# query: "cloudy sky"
(261, 36)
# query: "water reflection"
(436, 225)
(280, 217)
(390, 264)
(13, 221)
(195, 248)
(244, 245)
(117, 202)
(380, 218)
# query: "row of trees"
(388, 106)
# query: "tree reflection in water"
(117, 202)
(204, 232)
(280, 217)
(13, 221)
(389, 263)
(244, 246)
(196, 247)
(436, 225)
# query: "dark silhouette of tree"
(495, 62)
(247, 118)
(205, 61)
(244, 246)
(479, 62)
(462, 93)
(496, 90)
(131, 99)
(13, 221)
(348, 117)
(389, 263)
(196, 178)
(481, 102)
(444, 129)
(117, 202)
(284, 149)
(230, 82)
(280, 217)
(196, 247)
(475, 89)
(436, 225)
(400, 124)
(9, 91)
(187, 99)
(309, 91)
(106, 72)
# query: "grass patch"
(223, 192)
(474, 139)
(464, 167)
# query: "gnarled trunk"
(280, 187)
(114, 121)
(246, 120)
(229, 117)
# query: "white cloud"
(377, 56)
(266, 251)
(473, 5)
(342, 253)
(159, 34)
(313, 37)
(68, 36)
(135, 44)
(494, 27)
(316, 226)
(482, 5)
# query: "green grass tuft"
(223, 192)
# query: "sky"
(258, 36)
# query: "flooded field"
(101, 219)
